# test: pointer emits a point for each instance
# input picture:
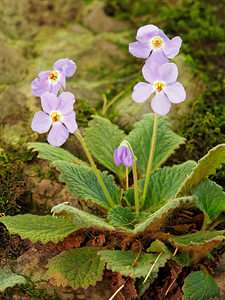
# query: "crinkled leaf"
(211, 199)
(119, 261)
(84, 184)
(79, 267)
(198, 238)
(102, 138)
(206, 166)
(141, 139)
(129, 196)
(9, 279)
(198, 244)
(156, 246)
(124, 218)
(200, 286)
(52, 153)
(164, 184)
(79, 217)
(40, 228)
(158, 218)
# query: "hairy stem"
(134, 169)
(127, 179)
(150, 160)
(81, 139)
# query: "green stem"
(134, 169)
(150, 160)
(127, 179)
(106, 105)
(81, 139)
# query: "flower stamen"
(55, 117)
(159, 86)
(156, 42)
(53, 76)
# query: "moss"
(12, 185)
(83, 112)
(29, 289)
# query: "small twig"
(167, 291)
(175, 252)
(139, 253)
(152, 267)
(117, 291)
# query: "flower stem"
(81, 139)
(127, 179)
(134, 169)
(150, 160)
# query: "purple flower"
(52, 81)
(58, 112)
(162, 81)
(151, 39)
(123, 155)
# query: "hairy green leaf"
(198, 244)
(200, 286)
(84, 184)
(9, 279)
(120, 261)
(102, 138)
(124, 218)
(40, 228)
(78, 267)
(156, 246)
(158, 218)
(164, 184)
(141, 139)
(211, 199)
(198, 238)
(206, 166)
(80, 218)
(52, 153)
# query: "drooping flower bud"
(124, 154)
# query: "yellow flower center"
(53, 76)
(55, 117)
(159, 86)
(156, 42)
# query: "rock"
(29, 15)
(97, 20)
(12, 65)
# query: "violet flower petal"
(55, 87)
(160, 104)
(158, 56)
(175, 92)
(127, 158)
(142, 91)
(49, 102)
(172, 47)
(39, 86)
(168, 72)
(123, 155)
(70, 121)
(116, 157)
(65, 66)
(58, 134)
(66, 102)
(44, 74)
(147, 32)
(41, 122)
(150, 71)
(163, 36)
(140, 49)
